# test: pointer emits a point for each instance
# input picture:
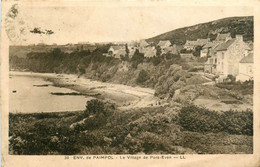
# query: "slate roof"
(248, 59)
(202, 41)
(211, 45)
(225, 45)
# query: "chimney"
(239, 37)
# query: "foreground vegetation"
(101, 129)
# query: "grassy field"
(107, 130)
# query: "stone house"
(117, 51)
(246, 68)
(229, 54)
(164, 44)
(149, 51)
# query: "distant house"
(171, 49)
(132, 51)
(229, 54)
(132, 46)
(223, 37)
(202, 42)
(143, 44)
(191, 45)
(164, 44)
(149, 51)
(117, 51)
(208, 49)
(246, 68)
(186, 55)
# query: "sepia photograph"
(126, 79)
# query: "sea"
(28, 94)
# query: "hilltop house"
(223, 37)
(228, 55)
(246, 68)
(164, 44)
(117, 51)
(149, 51)
(132, 46)
(191, 45)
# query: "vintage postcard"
(142, 83)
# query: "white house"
(246, 68)
(149, 51)
(164, 44)
(117, 50)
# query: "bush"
(137, 58)
(244, 88)
(95, 107)
(196, 119)
(142, 77)
(156, 60)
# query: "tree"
(137, 58)
(156, 60)
(196, 53)
(126, 50)
(142, 77)
(94, 107)
(158, 50)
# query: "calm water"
(26, 98)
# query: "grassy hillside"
(234, 25)
(190, 130)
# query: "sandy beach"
(125, 97)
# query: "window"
(222, 55)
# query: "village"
(185, 91)
(225, 56)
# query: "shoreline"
(125, 97)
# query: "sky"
(109, 23)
